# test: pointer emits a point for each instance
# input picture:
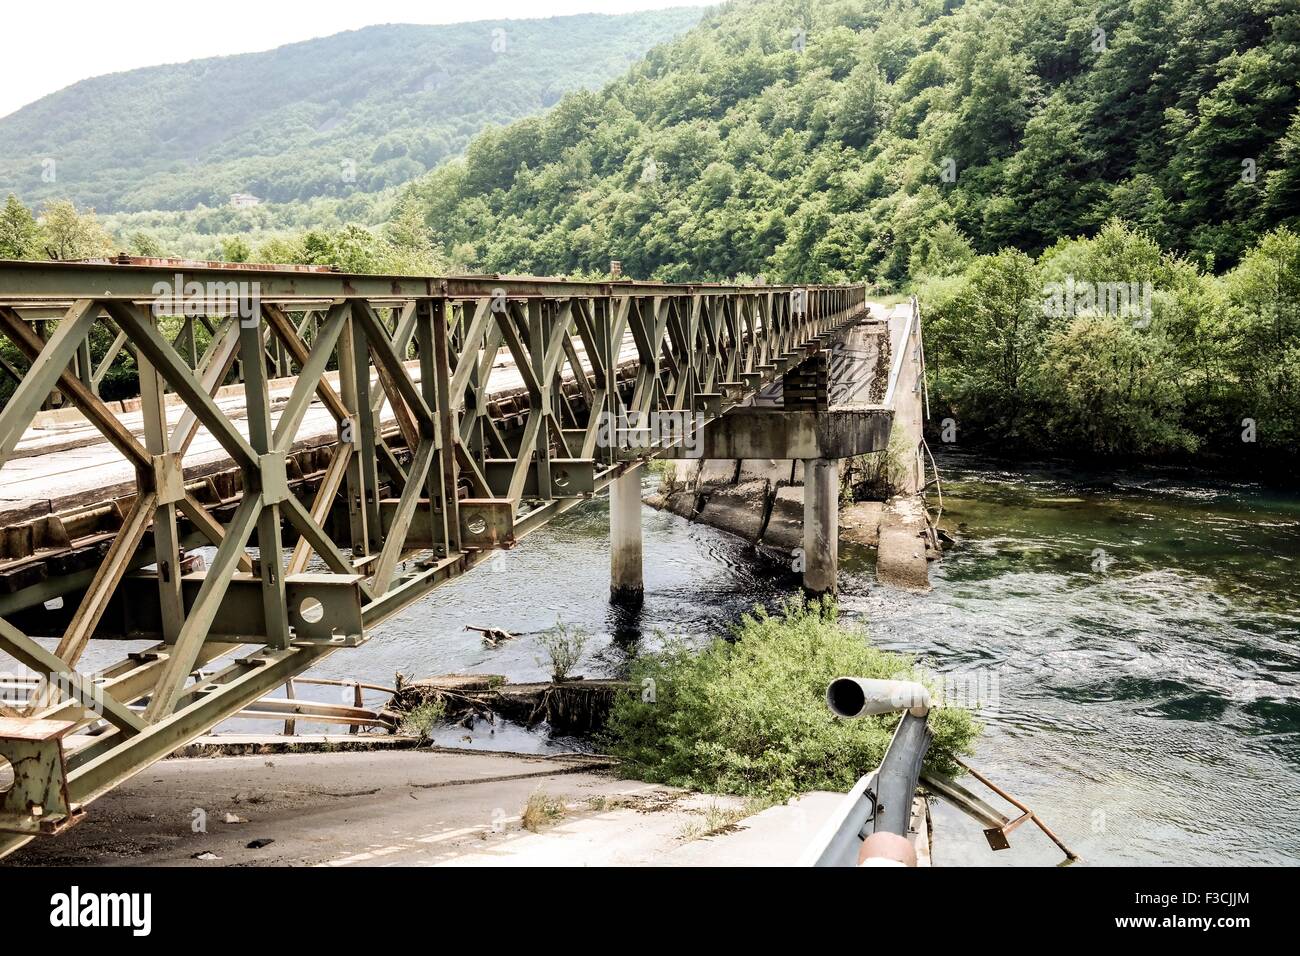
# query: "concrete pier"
(626, 579)
(821, 525)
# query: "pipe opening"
(845, 697)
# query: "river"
(1133, 641)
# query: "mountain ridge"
(361, 110)
(848, 138)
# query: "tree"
(69, 234)
(1224, 145)
(143, 244)
(235, 249)
(1141, 202)
(1050, 179)
(282, 251)
(19, 234)
(408, 246)
(987, 334)
(863, 108)
(1283, 189)
(942, 251)
(1263, 350)
(1109, 389)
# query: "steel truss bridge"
(385, 433)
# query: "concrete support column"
(821, 524)
(626, 583)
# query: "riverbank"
(423, 808)
(1148, 709)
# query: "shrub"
(541, 810)
(983, 338)
(565, 648)
(748, 716)
(420, 721)
(878, 475)
(1107, 388)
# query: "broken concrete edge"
(903, 554)
(762, 502)
(575, 707)
(244, 745)
(266, 745)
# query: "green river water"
(1133, 641)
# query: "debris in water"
(205, 856)
(492, 636)
(578, 707)
(235, 818)
(258, 844)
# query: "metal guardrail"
(881, 801)
(350, 531)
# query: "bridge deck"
(63, 462)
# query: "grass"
(717, 819)
(660, 466)
(541, 810)
(602, 803)
(877, 476)
(893, 299)
(748, 715)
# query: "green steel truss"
(431, 466)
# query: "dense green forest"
(987, 155)
(347, 114)
(1205, 367)
(983, 153)
(821, 140)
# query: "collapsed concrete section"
(878, 365)
(905, 544)
(769, 511)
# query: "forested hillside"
(338, 116)
(987, 155)
(814, 140)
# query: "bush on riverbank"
(748, 716)
(1054, 356)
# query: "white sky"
(48, 46)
